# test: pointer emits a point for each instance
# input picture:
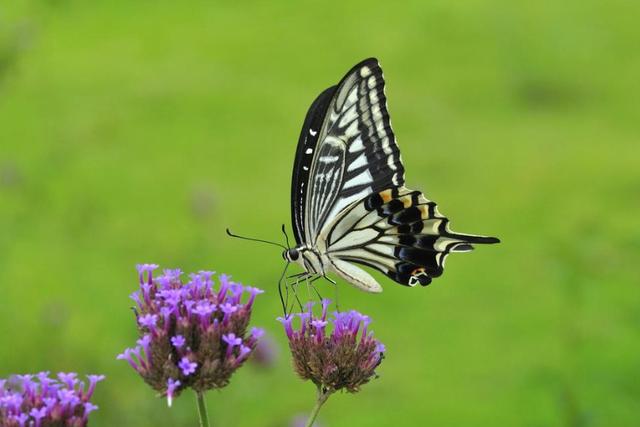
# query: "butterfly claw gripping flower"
(191, 335)
(38, 400)
(344, 358)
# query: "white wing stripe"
(328, 159)
(361, 179)
(360, 161)
(356, 145)
(349, 116)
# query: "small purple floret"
(148, 320)
(287, 322)
(188, 367)
(172, 385)
(178, 341)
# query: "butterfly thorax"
(308, 258)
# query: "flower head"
(345, 358)
(192, 335)
(39, 400)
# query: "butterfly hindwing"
(400, 233)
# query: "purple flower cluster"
(345, 358)
(41, 401)
(191, 335)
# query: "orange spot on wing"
(386, 196)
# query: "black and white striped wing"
(346, 151)
(398, 232)
(348, 195)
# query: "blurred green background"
(137, 131)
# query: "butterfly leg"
(335, 286)
(280, 282)
(293, 276)
(294, 288)
(310, 286)
(284, 299)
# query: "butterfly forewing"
(355, 153)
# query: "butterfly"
(349, 203)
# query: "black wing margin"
(304, 156)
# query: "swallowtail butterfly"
(349, 204)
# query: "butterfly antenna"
(255, 240)
(286, 237)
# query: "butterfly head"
(291, 255)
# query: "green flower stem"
(202, 410)
(323, 395)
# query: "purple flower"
(244, 352)
(319, 326)
(204, 309)
(144, 343)
(287, 322)
(93, 380)
(253, 292)
(148, 320)
(135, 296)
(38, 415)
(228, 309)
(187, 367)
(69, 379)
(345, 358)
(126, 355)
(192, 335)
(231, 341)
(325, 307)
(178, 341)
(39, 400)
(88, 408)
(172, 386)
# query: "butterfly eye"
(292, 254)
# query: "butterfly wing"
(398, 232)
(346, 151)
(348, 194)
